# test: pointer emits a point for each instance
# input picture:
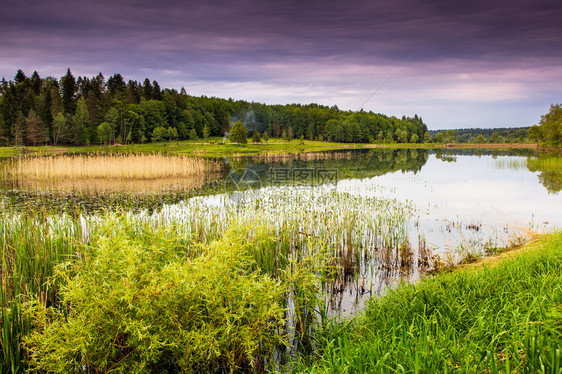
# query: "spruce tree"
(68, 90)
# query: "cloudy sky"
(470, 63)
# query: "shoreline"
(211, 149)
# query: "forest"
(481, 135)
(82, 111)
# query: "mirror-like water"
(386, 215)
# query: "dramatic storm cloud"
(455, 63)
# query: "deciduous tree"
(238, 133)
(59, 127)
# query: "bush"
(131, 306)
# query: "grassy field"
(495, 316)
(190, 148)
(213, 149)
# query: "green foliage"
(535, 134)
(172, 133)
(401, 136)
(479, 139)
(60, 127)
(238, 133)
(503, 318)
(265, 137)
(135, 109)
(136, 305)
(159, 133)
(493, 135)
(193, 135)
(256, 138)
(551, 126)
(68, 84)
(82, 119)
(206, 133)
(105, 133)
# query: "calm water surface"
(471, 201)
(464, 201)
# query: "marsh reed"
(111, 173)
(317, 237)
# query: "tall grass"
(347, 234)
(117, 172)
(133, 166)
(502, 318)
(30, 247)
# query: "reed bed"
(114, 185)
(111, 173)
(126, 166)
(357, 229)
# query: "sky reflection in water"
(473, 191)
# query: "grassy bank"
(498, 317)
(189, 148)
(214, 149)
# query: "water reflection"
(467, 202)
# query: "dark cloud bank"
(461, 55)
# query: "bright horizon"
(460, 65)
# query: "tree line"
(494, 135)
(96, 110)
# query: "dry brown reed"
(112, 173)
(134, 166)
(105, 185)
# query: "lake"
(386, 215)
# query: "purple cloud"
(502, 57)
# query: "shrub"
(131, 306)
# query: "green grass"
(494, 318)
(192, 148)
(213, 149)
(504, 317)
